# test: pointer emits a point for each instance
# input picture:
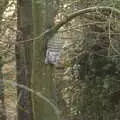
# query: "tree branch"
(84, 11)
(55, 28)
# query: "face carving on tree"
(52, 57)
(54, 46)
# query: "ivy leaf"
(106, 84)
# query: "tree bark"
(42, 74)
(2, 105)
(24, 58)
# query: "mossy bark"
(42, 74)
(2, 104)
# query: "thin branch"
(55, 28)
(38, 94)
(84, 11)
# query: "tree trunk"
(2, 106)
(23, 58)
(42, 74)
(3, 5)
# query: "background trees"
(7, 36)
(90, 83)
